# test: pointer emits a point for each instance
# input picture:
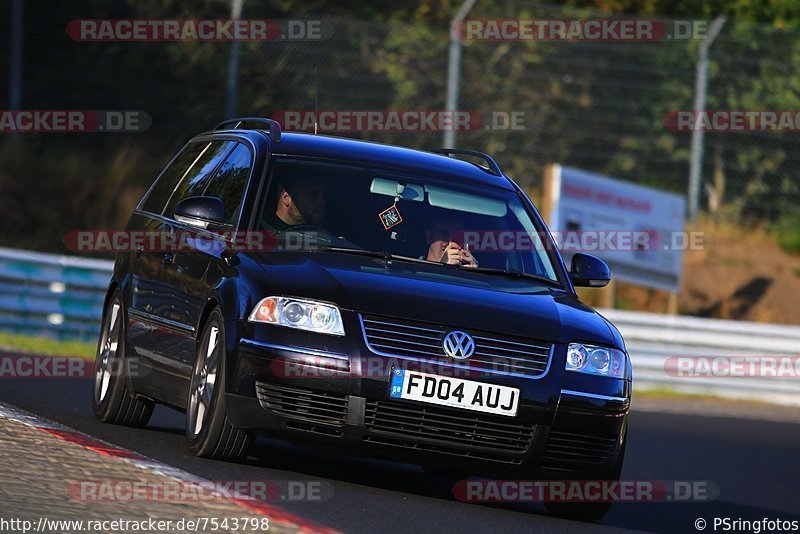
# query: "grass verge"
(47, 347)
(667, 394)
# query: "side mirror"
(588, 271)
(201, 211)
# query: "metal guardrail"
(656, 342)
(62, 296)
(51, 295)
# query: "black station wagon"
(364, 299)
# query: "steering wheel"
(305, 228)
(320, 233)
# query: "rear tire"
(112, 400)
(444, 471)
(208, 430)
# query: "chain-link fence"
(596, 105)
(601, 106)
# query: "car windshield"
(314, 205)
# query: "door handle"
(167, 258)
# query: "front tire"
(112, 400)
(589, 512)
(579, 511)
(208, 430)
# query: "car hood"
(435, 294)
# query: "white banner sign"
(637, 230)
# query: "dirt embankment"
(739, 273)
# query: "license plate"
(454, 392)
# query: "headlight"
(595, 360)
(298, 313)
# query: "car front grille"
(306, 408)
(439, 430)
(572, 451)
(493, 353)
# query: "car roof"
(370, 153)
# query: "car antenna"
(316, 99)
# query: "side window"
(229, 182)
(196, 179)
(166, 183)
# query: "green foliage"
(49, 191)
(47, 347)
(597, 106)
(787, 232)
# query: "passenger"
(442, 248)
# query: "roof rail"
(273, 127)
(492, 165)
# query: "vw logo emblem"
(458, 345)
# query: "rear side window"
(170, 177)
(229, 182)
(196, 179)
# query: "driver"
(300, 201)
(443, 248)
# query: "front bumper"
(317, 391)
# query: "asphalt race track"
(753, 462)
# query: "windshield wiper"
(359, 251)
(513, 274)
(373, 253)
(508, 273)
